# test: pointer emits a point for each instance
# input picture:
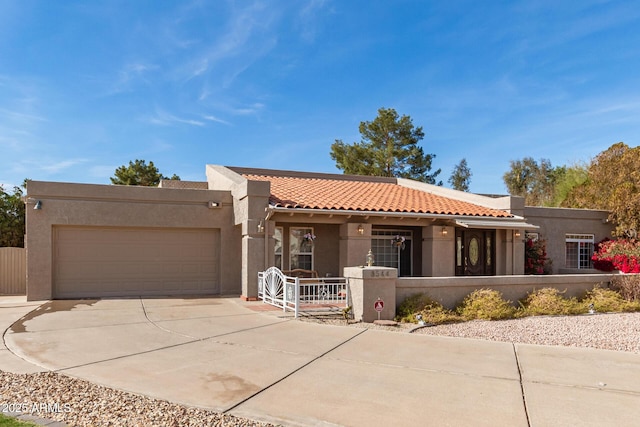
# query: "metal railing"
(289, 293)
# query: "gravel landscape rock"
(619, 331)
(80, 403)
(605, 331)
(77, 402)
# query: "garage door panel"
(92, 261)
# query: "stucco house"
(213, 237)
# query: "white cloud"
(20, 117)
(307, 23)
(129, 74)
(247, 110)
(247, 37)
(162, 118)
(215, 119)
(62, 165)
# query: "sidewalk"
(216, 353)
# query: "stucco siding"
(556, 223)
(87, 205)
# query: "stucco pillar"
(514, 245)
(438, 251)
(353, 245)
(269, 248)
(253, 258)
(509, 252)
(518, 252)
(368, 285)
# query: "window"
(300, 248)
(277, 236)
(579, 249)
(388, 255)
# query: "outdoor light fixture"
(444, 231)
(260, 227)
(370, 260)
(360, 229)
(38, 205)
(518, 233)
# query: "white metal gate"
(290, 293)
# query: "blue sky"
(88, 86)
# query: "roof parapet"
(511, 204)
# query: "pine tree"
(389, 147)
(460, 178)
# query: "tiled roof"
(354, 195)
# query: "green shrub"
(411, 306)
(628, 285)
(607, 300)
(486, 304)
(438, 315)
(431, 311)
(549, 301)
(489, 304)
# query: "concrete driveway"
(218, 353)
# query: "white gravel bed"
(81, 403)
(616, 331)
(606, 331)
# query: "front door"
(474, 252)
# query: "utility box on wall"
(369, 286)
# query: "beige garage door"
(98, 262)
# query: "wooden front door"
(475, 252)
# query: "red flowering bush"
(621, 254)
(535, 256)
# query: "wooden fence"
(13, 271)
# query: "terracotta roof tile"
(336, 194)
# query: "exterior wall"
(438, 251)
(450, 291)
(556, 223)
(354, 247)
(250, 200)
(13, 271)
(509, 252)
(124, 206)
